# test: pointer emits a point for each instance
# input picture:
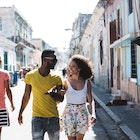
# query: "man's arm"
(9, 93)
(25, 100)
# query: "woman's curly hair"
(84, 64)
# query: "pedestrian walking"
(64, 72)
(75, 118)
(5, 90)
(45, 117)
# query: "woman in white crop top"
(76, 118)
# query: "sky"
(50, 18)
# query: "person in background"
(75, 118)
(64, 72)
(45, 117)
(5, 90)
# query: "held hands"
(57, 93)
(57, 89)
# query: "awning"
(137, 41)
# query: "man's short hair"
(47, 53)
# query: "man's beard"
(51, 66)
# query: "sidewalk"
(127, 118)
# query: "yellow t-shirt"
(43, 105)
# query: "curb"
(127, 131)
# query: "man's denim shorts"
(41, 125)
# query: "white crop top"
(76, 96)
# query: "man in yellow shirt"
(45, 116)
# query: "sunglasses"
(50, 58)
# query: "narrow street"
(108, 35)
(104, 128)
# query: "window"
(6, 60)
(130, 7)
(101, 52)
(115, 28)
(112, 31)
(0, 23)
(133, 62)
(118, 24)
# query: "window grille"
(133, 62)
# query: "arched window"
(101, 52)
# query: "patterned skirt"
(75, 119)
